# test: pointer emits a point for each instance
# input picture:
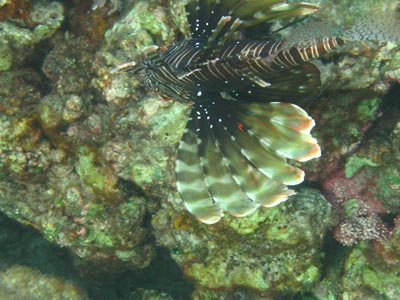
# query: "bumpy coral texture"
(87, 158)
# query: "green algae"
(354, 163)
(88, 171)
(94, 175)
(146, 160)
(147, 294)
(368, 276)
(179, 18)
(383, 282)
(389, 187)
(83, 203)
(368, 108)
(351, 207)
(20, 151)
(50, 114)
(6, 58)
(156, 25)
(249, 224)
(99, 237)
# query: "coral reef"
(370, 271)
(358, 168)
(69, 211)
(279, 247)
(368, 276)
(87, 158)
(18, 42)
(363, 187)
(57, 149)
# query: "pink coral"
(359, 208)
(360, 228)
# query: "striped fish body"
(233, 156)
(239, 65)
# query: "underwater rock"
(147, 162)
(91, 20)
(373, 66)
(69, 212)
(23, 282)
(47, 151)
(365, 185)
(68, 64)
(70, 184)
(17, 41)
(148, 127)
(368, 276)
(367, 271)
(274, 251)
(22, 88)
(202, 293)
(86, 164)
(115, 5)
(22, 151)
(343, 119)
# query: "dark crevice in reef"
(334, 256)
(129, 189)
(390, 111)
(35, 62)
(162, 274)
(391, 103)
(22, 245)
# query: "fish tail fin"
(233, 156)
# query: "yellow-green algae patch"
(354, 163)
(22, 282)
(96, 176)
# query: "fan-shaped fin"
(190, 178)
(231, 156)
(283, 127)
(220, 182)
(251, 174)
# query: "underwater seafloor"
(89, 208)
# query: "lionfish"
(244, 130)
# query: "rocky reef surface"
(87, 159)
